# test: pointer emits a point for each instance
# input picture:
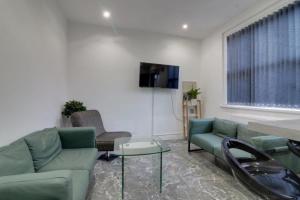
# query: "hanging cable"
(173, 110)
(152, 113)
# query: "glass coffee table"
(125, 147)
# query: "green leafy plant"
(73, 106)
(193, 93)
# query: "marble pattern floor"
(187, 176)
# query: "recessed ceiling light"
(106, 14)
(185, 26)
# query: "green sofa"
(208, 134)
(51, 164)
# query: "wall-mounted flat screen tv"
(159, 76)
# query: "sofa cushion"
(44, 146)
(244, 134)
(74, 159)
(269, 142)
(235, 152)
(15, 159)
(207, 141)
(80, 183)
(225, 128)
(289, 160)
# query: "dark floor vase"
(261, 174)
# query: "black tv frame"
(150, 80)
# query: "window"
(263, 61)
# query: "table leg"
(160, 180)
(123, 177)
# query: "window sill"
(263, 109)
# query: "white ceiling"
(162, 16)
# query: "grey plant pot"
(66, 122)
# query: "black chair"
(104, 140)
(261, 174)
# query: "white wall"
(32, 66)
(103, 69)
(211, 75)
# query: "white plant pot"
(193, 102)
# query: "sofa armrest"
(270, 143)
(198, 126)
(83, 137)
(47, 186)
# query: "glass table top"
(127, 146)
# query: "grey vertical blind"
(263, 61)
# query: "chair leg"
(107, 156)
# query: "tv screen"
(159, 76)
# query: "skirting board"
(170, 136)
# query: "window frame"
(269, 9)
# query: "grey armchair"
(104, 140)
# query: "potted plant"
(192, 95)
(72, 106)
(69, 108)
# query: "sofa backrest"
(243, 133)
(44, 146)
(225, 128)
(15, 159)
